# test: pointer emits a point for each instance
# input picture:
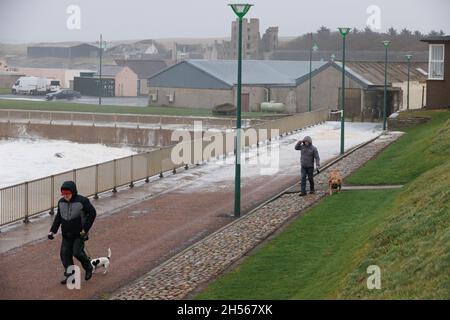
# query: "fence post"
(115, 176)
(96, 182)
(147, 169)
(161, 164)
(74, 175)
(52, 195)
(131, 171)
(26, 220)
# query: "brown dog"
(335, 182)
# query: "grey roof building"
(68, 51)
(142, 67)
(207, 83)
(110, 70)
(222, 74)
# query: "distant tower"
(251, 39)
(269, 42)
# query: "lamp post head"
(386, 43)
(408, 57)
(344, 31)
(240, 9)
(315, 47)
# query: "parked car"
(63, 94)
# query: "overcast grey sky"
(45, 20)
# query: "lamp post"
(386, 45)
(408, 58)
(314, 48)
(100, 82)
(240, 10)
(344, 32)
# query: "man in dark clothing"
(76, 216)
(309, 153)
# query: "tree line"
(364, 39)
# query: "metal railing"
(21, 201)
(111, 118)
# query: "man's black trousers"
(74, 247)
(307, 171)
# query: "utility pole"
(100, 82)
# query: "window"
(436, 65)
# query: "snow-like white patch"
(28, 159)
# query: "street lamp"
(386, 45)
(100, 82)
(240, 10)
(314, 48)
(408, 58)
(344, 32)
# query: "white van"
(30, 85)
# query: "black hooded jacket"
(73, 216)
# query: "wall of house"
(286, 95)
(191, 98)
(324, 90)
(143, 89)
(438, 91)
(126, 83)
(65, 76)
(256, 96)
(416, 89)
(374, 103)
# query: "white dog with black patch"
(102, 262)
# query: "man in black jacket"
(309, 153)
(76, 216)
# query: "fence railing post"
(147, 168)
(52, 195)
(131, 171)
(96, 182)
(161, 163)
(26, 220)
(115, 176)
